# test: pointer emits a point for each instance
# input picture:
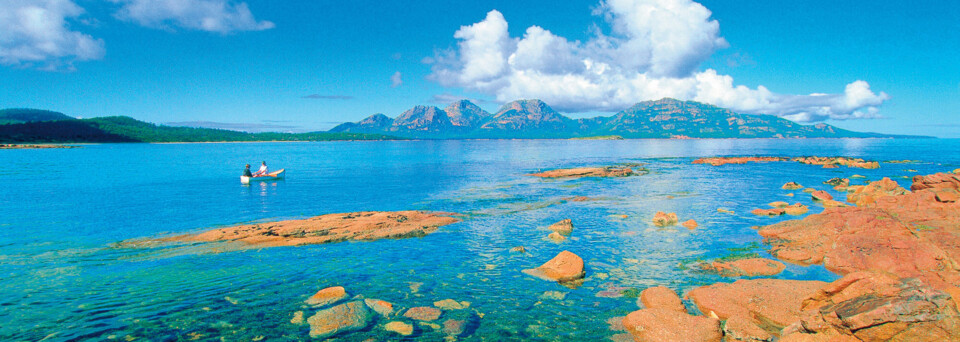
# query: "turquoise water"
(63, 210)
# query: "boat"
(275, 175)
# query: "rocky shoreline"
(33, 146)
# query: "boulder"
(770, 303)
(423, 313)
(936, 181)
(662, 298)
(768, 212)
(662, 219)
(796, 209)
(867, 195)
(518, 249)
(564, 227)
(751, 267)
(690, 224)
(658, 324)
(454, 327)
(401, 328)
(877, 306)
(821, 195)
(381, 307)
(347, 317)
(838, 182)
(327, 296)
(792, 186)
(564, 267)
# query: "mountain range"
(664, 118)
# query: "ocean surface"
(62, 212)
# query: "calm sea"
(62, 210)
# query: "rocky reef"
(826, 162)
(330, 228)
(580, 172)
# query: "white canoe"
(275, 175)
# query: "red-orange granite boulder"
(327, 296)
(661, 297)
(936, 181)
(564, 267)
(867, 195)
(821, 195)
(771, 304)
(751, 267)
(564, 227)
(690, 224)
(877, 306)
(658, 324)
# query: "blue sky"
(886, 66)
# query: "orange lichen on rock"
(609, 171)
(360, 226)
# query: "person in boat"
(262, 171)
(246, 171)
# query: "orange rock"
(779, 204)
(909, 235)
(744, 267)
(946, 195)
(690, 224)
(328, 296)
(610, 171)
(877, 306)
(725, 211)
(796, 209)
(717, 161)
(662, 298)
(936, 181)
(423, 313)
(360, 226)
(771, 303)
(662, 219)
(832, 204)
(566, 266)
(564, 227)
(821, 195)
(792, 186)
(867, 195)
(739, 328)
(657, 324)
(381, 307)
(768, 212)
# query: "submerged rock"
(838, 182)
(297, 318)
(564, 227)
(690, 224)
(360, 226)
(423, 313)
(454, 327)
(778, 204)
(564, 267)
(382, 307)
(518, 249)
(553, 295)
(450, 304)
(877, 306)
(398, 327)
(658, 324)
(609, 171)
(327, 296)
(750, 267)
(662, 219)
(556, 237)
(661, 297)
(351, 316)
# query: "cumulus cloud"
(396, 80)
(37, 33)
(647, 50)
(222, 16)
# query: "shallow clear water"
(62, 210)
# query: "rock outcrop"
(348, 317)
(690, 224)
(359, 226)
(659, 324)
(829, 162)
(821, 195)
(564, 267)
(876, 306)
(660, 297)
(769, 304)
(936, 181)
(913, 235)
(398, 327)
(564, 227)
(580, 172)
(866, 195)
(792, 186)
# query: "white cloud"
(37, 33)
(223, 16)
(653, 50)
(396, 79)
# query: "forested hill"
(127, 129)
